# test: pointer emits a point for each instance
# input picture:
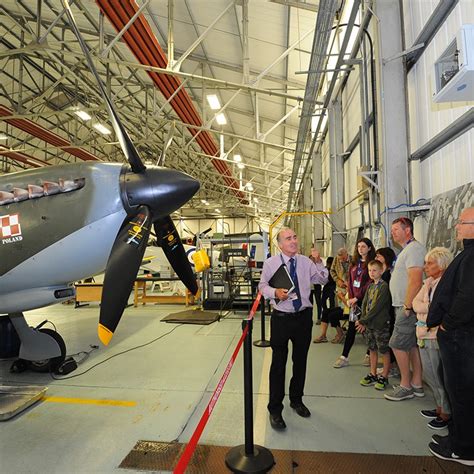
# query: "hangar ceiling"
(160, 60)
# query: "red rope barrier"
(191, 446)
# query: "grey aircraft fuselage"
(50, 241)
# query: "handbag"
(354, 313)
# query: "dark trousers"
(456, 347)
(350, 335)
(296, 328)
(350, 338)
(333, 316)
(328, 296)
(315, 298)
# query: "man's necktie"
(294, 277)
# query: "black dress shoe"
(277, 421)
(301, 409)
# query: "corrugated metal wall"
(452, 165)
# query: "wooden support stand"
(87, 292)
(141, 296)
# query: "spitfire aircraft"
(65, 223)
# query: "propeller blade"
(126, 144)
(169, 240)
(122, 267)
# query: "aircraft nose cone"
(174, 189)
(163, 190)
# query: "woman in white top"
(436, 262)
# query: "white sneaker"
(341, 362)
(366, 360)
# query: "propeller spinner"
(150, 194)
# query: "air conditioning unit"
(454, 70)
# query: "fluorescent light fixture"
(3, 136)
(82, 115)
(220, 119)
(213, 101)
(237, 158)
(102, 129)
(255, 199)
(217, 210)
(249, 186)
(241, 166)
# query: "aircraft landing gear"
(49, 365)
(41, 350)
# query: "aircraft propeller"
(150, 195)
(168, 239)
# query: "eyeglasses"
(461, 222)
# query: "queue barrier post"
(249, 457)
(262, 342)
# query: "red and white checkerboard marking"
(9, 226)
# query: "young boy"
(375, 320)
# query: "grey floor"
(169, 383)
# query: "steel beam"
(130, 22)
(197, 42)
(460, 126)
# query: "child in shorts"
(375, 321)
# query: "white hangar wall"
(445, 169)
(452, 165)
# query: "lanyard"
(372, 295)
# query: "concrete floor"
(168, 383)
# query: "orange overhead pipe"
(22, 158)
(44, 134)
(144, 45)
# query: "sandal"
(337, 339)
(320, 339)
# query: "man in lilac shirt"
(292, 320)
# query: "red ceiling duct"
(43, 134)
(22, 158)
(144, 45)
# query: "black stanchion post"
(249, 457)
(262, 342)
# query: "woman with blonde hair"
(436, 262)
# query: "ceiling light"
(241, 166)
(237, 158)
(255, 199)
(3, 136)
(102, 129)
(214, 103)
(217, 210)
(220, 119)
(249, 186)
(82, 115)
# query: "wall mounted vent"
(454, 70)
